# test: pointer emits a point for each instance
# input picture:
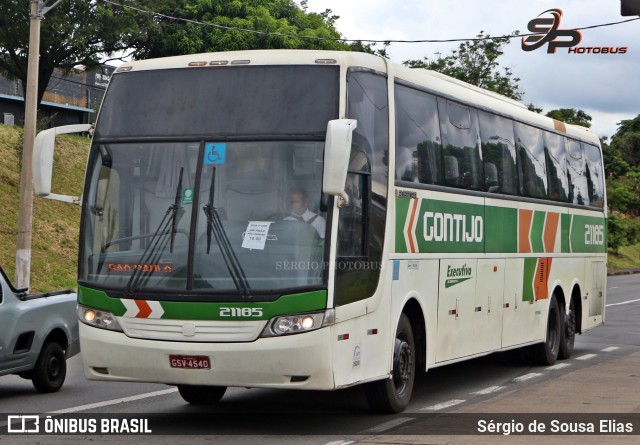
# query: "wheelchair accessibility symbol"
(215, 153)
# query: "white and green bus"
(444, 222)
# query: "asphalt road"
(603, 376)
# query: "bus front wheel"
(393, 395)
(201, 395)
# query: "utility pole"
(23, 254)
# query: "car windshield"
(205, 217)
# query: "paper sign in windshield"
(255, 236)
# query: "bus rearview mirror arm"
(42, 165)
(337, 151)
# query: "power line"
(275, 34)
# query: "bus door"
(487, 311)
(456, 307)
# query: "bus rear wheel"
(393, 395)
(568, 336)
(201, 395)
(546, 353)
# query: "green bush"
(623, 229)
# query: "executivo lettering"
(453, 227)
(456, 275)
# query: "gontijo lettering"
(453, 227)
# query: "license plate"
(190, 361)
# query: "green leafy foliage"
(75, 32)
(571, 116)
(476, 62)
(624, 230)
(205, 27)
(622, 164)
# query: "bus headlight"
(98, 318)
(299, 323)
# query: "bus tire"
(50, 370)
(546, 353)
(201, 395)
(568, 331)
(393, 395)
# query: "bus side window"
(460, 137)
(594, 175)
(418, 149)
(556, 167)
(357, 276)
(498, 154)
(576, 172)
(352, 239)
(531, 163)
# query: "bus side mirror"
(337, 151)
(42, 166)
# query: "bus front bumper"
(300, 361)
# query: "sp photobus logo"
(548, 32)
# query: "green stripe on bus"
(501, 230)
(588, 234)
(565, 225)
(529, 275)
(183, 310)
(100, 300)
(402, 209)
(537, 229)
(450, 227)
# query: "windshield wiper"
(158, 243)
(215, 227)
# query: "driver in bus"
(299, 202)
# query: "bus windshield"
(193, 175)
(233, 217)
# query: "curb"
(613, 272)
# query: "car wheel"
(51, 368)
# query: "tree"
(622, 163)
(626, 141)
(571, 116)
(476, 62)
(75, 32)
(204, 27)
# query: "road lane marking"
(558, 366)
(614, 287)
(75, 409)
(586, 357)
(624, 302)
(444, 405)
(526, 377)
(488, 390)
(340, 442)
(387, 425)
(610, 348)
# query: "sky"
(605, 86)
